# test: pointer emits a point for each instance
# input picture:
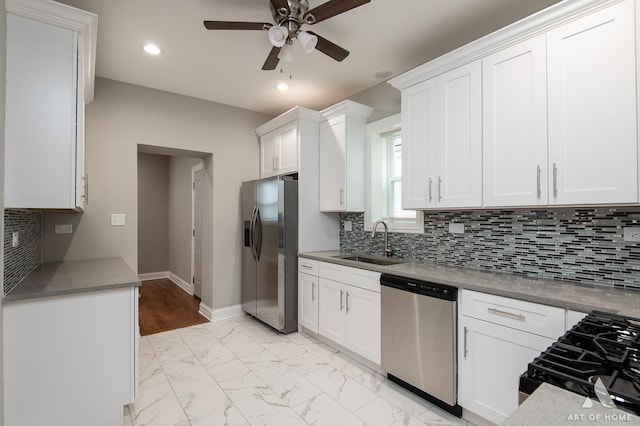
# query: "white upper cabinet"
(279, 151)
(418, 126)
(554, 102)
(50, 50)
(514, 111)
(592, 109)
(442, 141)
(343, 157)
(458, 177)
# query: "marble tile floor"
(239, 372)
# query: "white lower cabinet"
(70, 360)
(497, 338)
(349, 309)
(308, 294)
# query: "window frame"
(376, 156)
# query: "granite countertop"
(563, 294)
(551, 406)
(71, 277)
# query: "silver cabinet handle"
(495, 311)
(439, 188)
(278, 164)
(273, 162)
(538, 171)
(466, 332)
(313, 291)
(85, 196)
(341, 305)
(341, 196)
(430, 194)
(555, 180)
(347, 302)
(305, 266)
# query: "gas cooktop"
(601, 346)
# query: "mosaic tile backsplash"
(583, 245)
(20, 260)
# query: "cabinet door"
(308, 301)
(459, 150)
(419, 133)
(363, 322)
(40, 151)
(333, 163)
(268, 149)
(287, 150)
(515, 125)
(332, 321)
(592, 109)
(491, 360)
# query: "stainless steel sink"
(373, 260)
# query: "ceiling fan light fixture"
(286, 54)
(278, 35)
(308, 41)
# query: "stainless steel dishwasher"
(419, 338)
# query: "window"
(384, 182)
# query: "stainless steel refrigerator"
(269, 252)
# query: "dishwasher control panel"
(426, 288)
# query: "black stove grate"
(602, 345)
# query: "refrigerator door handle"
(258, 232)
(252, 233)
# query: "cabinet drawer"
(363, 278)
(534, 318)
(308, 266)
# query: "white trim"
(194, 169)
(154, 276)
(374, 131)
(295, 113)
(221, 313)
(538, 23)
(346, 107)
(187, 287)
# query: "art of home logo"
(606, 401)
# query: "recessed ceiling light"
(152, 49)
(283, 87)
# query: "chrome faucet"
(387, 250)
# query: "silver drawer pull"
(306, 266)
(495, 311)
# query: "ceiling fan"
(289, 16)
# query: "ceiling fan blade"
(280, 4)
(272, 60)
(331, 8)
(228, 25)
(330, 49)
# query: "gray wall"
(123, 116)
(153, 213)
(180, 216)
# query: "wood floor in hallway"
(165, 306)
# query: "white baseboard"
(222, 313)
(154, 276)
(205, 311)
(188, 287)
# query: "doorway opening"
(174, 190)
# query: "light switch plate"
(456, 228)
(66, 228)
(14, 239)
(348, 226)
(117, 219)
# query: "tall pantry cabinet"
(50, 68)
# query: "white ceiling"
(225, 66)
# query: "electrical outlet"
(456, 228)
(14, 239)
(632, 234)
(348, 225)
(66, 228)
